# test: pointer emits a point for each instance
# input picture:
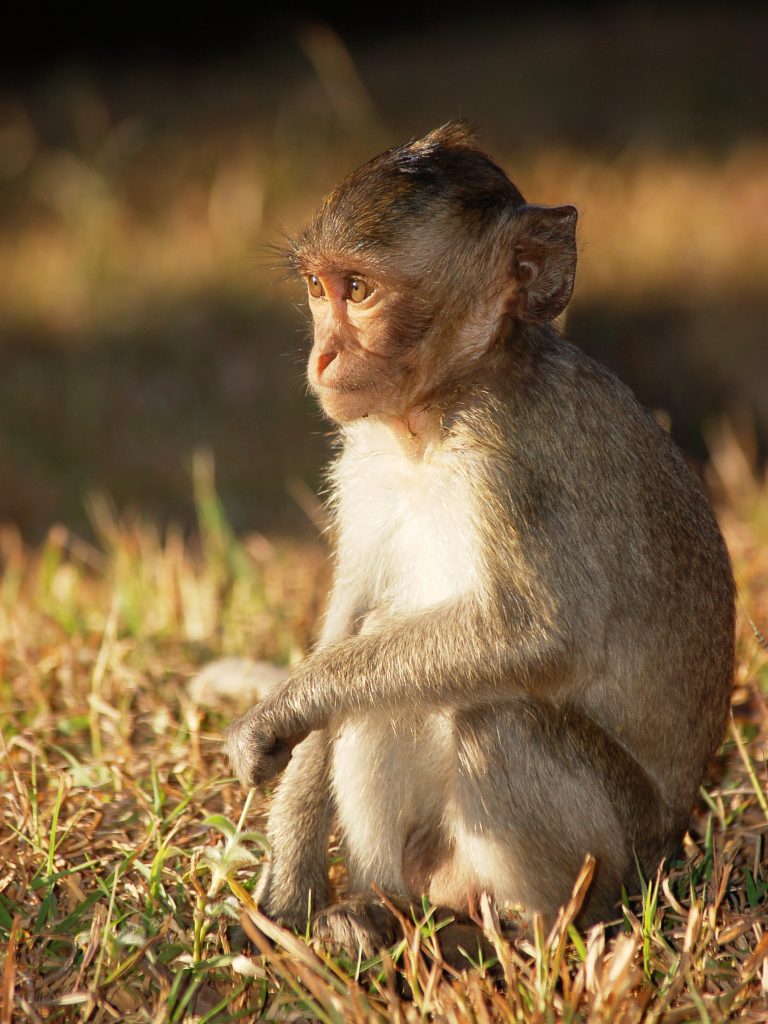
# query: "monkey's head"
(418, 264)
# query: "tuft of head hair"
(452, 135)
(378, 204)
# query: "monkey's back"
(604, 521)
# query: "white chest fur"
(408, 525)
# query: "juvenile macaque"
(528, 649)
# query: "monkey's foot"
(357, 926)
(288, 901)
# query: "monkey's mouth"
(352, 400)
(345, 387)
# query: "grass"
(129, 855)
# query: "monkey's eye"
(316, 290)
(359, 290)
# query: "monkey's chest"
(411, 529)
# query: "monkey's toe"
(356, 926)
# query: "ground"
(128, 852)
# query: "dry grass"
(127, 855)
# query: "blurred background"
(148, 156)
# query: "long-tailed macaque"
(528, 649)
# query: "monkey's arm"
(347, 607)
(450, 656)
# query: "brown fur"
(552, 681)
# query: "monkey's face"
(361, 361)
(413, 264)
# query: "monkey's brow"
(321, 271)
(333, 266)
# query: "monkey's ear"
(544, 260)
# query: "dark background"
(147, 155)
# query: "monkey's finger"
(281, 752)
(265, 767)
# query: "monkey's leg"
(295, 883)
(389, 784)
(535, 789)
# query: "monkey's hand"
(259, 744)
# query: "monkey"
(528, 649)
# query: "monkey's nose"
(323, 360)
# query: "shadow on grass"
(123, 414)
